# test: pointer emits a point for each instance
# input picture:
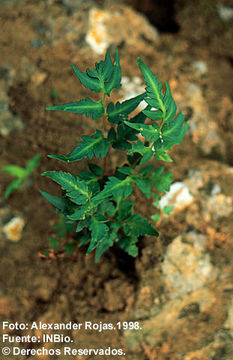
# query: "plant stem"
(104, 125)
(105, 165)
(105, 114)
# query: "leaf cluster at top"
(100, 203)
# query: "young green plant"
(21, 174)
(99, 202)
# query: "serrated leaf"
(169, 103)
(112, 135)
(107, 241)
(155, 115)
(125, 209)
(57, 201)
(162, 181)
(96, 170)
(146, 152)
(85, 239)
(162, 155)
(88, 81)
(137, 225)
(104, 69)
(85, 107)
(146, 170)
(122, 110)
(83, 223)
(148, 131)
(94, 145)
(81, 212)
(154, 88)
(172, 133)
(75, 189)
(114, 81)
(115, 187)
(107, 208)
(128, 244)
(98, 232)
(126, 170)
(144, 185)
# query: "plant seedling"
(21, 174)
(98, 201)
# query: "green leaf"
(168, 209)
(53, 243)
(162, 155)
(122, 110)
(98, 232)
(86, 107)
(57, 201)
(146, 152)
(153, 114)
(128, 244)
(154, 88)
(162, 181)
(146, 170)
(75, 189)
(169, 104)
(84, 239)
(148, 131)
(137, 225)
(33, 164)
(88, 81)
(14, 185)
(172, 133)
(114, 81)
(107, 207)
(104, 70)
(96, 170)
(69, 248)
(126, 170)
(62, 228)
(108, 240)
(81, 212)
(144, 185)
(112, 135)
(125, 209)
(15, 170)
(94, 145)
(156, 217)
(83, 224)
(118, 189)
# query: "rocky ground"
(180, 287)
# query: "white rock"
(13, 229)
(186, 266)
(113, 25)
(178, 196)
(225, 12)
(131, 88)
(97, 36)
(200, 66)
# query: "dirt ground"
(39, 41)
